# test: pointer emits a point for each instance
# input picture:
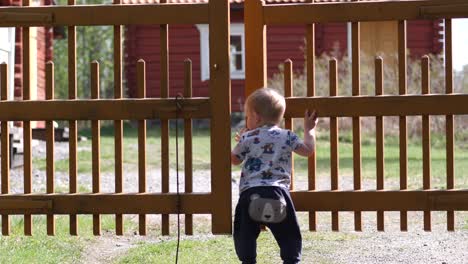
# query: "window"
(237, 51)
(7, 55)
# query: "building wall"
(44, 53)
(283, 42)
(44, 46)
(424, 37)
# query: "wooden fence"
(259, 15)
(216, 107)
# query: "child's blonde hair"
(268, 104)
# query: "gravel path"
(347, 246)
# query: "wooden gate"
(216, 107)
(258, 15)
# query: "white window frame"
(237, 29)
(8, 45)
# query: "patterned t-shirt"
(266, 152)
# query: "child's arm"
(307, 148)
(234, 159)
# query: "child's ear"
(258, 118)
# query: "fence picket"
(334, 153)
(288, 92)
(27, 132)
(188, 155)
(141, 83)
(380, 145)
(426, 137)
(5, 151)
(356, 86)
(449, 121)
(95, 144)
(50, 138)
(73, 128)
(118, 124)
(164, 44)
(311, 161)
(403, 124)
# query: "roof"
(231, 1)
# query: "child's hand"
(310, 120)
(239, 133)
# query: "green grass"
(40, 248)
(220, 249)
(201, 150)
(201, 155)
(61, 248)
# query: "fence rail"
(92, 15)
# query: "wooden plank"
(154, 108)
(188, 144)
(346, 106)
(95, 145)
(426, 137)
(73, 131)
(106, 203)
(255, 47)
(27, 133)
(403, 124)
(164, 51)
(449, 120)
(141, 83)
(418, 200)
(27, 205)
(306, 13)
(89, 15)
(118, 124)
(202, 203)
(50, 139)
(356, 86)
(5, 147)
(311, 161)
(103, 109)
(380, 145)
(288, 92)
(455, 10)
(334, 153)
(220, 94)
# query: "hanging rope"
(178, 109)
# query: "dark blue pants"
(246, 231)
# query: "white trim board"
(236, 29)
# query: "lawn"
(201, 155)
(41, 248)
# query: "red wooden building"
(191, 41)
(41, 51)
(11, 52)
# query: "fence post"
(255, 47)
(220, 100)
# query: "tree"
(92, 43)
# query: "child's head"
(264, 106)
